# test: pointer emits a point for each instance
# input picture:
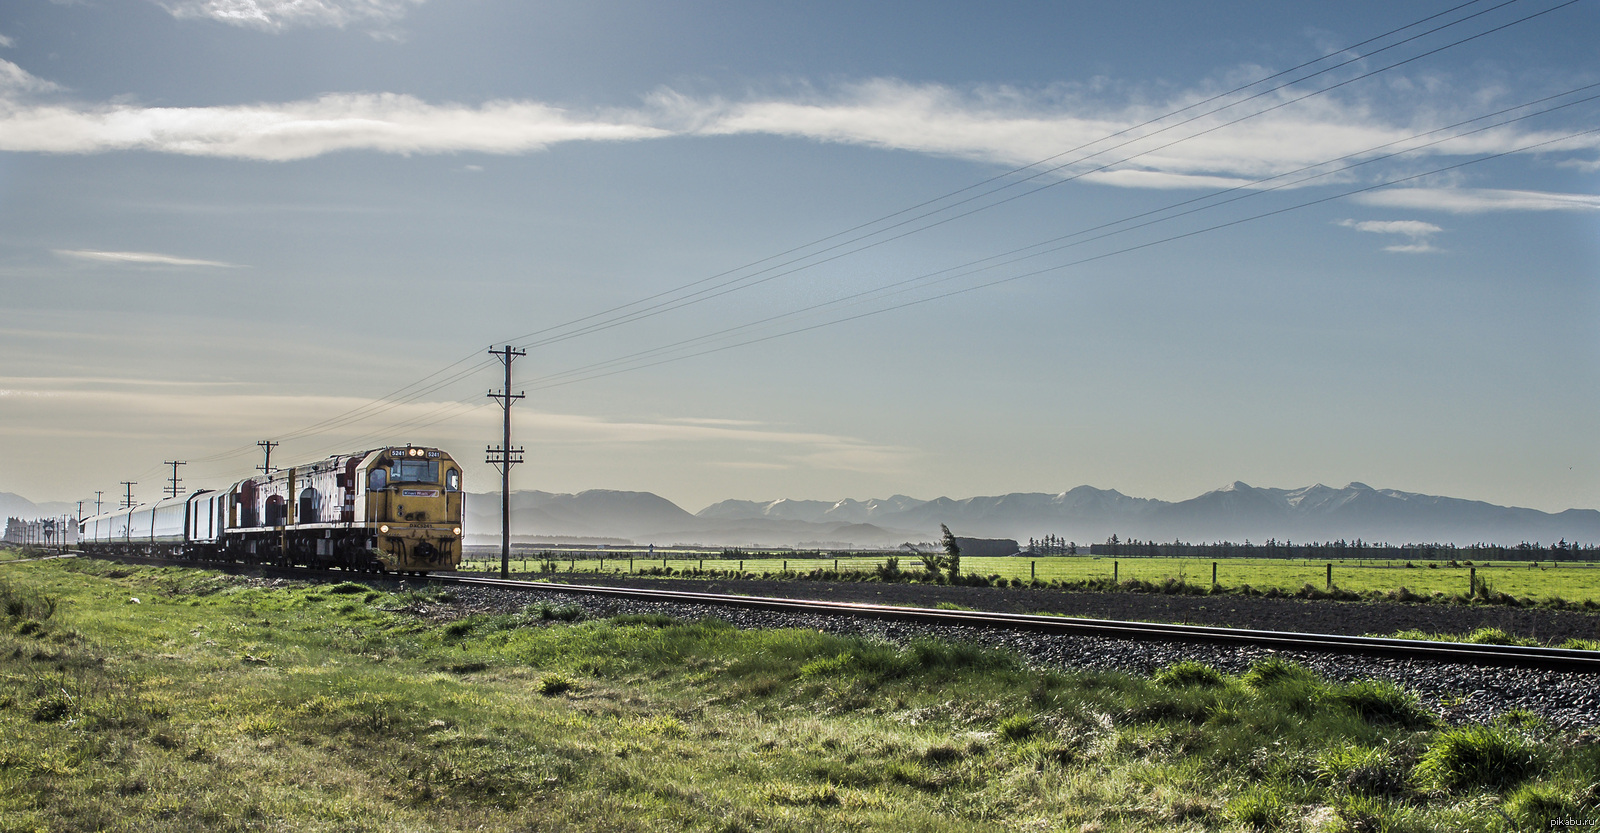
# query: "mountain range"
(1236, 512)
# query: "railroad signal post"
(505, 456)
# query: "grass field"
(183, 700)
(1569, 582)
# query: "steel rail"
(1565, 659)
(1465, 653)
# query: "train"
(394, 509)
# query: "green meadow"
(166, 699)
(1550, 583)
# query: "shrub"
(1495, 636)
(554, 684)
(1477, 756)
(1019, 727)
(1274, 670)
(1363, 771)
(1258, 808)
(1536, 806)
(22, 604)
(1381, 701)
(564, 613)
(1189, 673)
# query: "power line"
(746, 281)
(1079, 262)
(1244, 191)
(422, 387)
(389, 401)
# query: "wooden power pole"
(505, 456)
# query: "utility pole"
(127, 502)
(266, 467)
(504, 457)
(172, 490)
(97, 494)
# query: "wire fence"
(1570, 581)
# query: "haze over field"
(807, 250)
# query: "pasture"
(1540, 582)
(176, 699)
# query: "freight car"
(396, 509)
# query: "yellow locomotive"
(394, 509)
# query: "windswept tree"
(952, 552)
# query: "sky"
(807, 250)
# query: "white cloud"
(300, 130)
(6, 42)
(277, 15)
(998, 125)
(139, 258)
(15, 79)
(1478, 200)
(1417, 230)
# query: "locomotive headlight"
(457, 530)
(384, 529)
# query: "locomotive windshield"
(415, 471)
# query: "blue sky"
(230, 220)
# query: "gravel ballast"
(1459, 693)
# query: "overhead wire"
(419, 388)
(1080, 262)
(754, 279)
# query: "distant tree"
(952, 552)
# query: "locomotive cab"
(413, 508)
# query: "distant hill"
(17, 506)
(1235, 512)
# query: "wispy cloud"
(140, 258)
(15, 80)
(1479, 200)
(999, 125)
(300, 130)
(5, 41)
(277, 15)
(1416, 230)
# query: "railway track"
(1510, 656)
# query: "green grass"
(211, 704)
(1568, 585)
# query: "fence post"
(1472, 582)
(1330, 576)
(786, 565)
(741, 565)
(1113, 572)
(630, 562)
(1033, 571)
(836, 565)
(1213, 574)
